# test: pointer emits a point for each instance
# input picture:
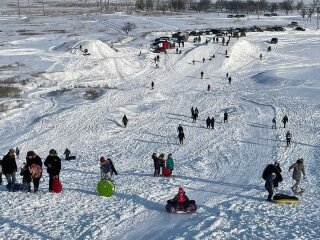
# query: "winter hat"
(52, 151)
(30, 153)
(11, 151)
(181, 189)
(102, 159)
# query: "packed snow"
(219, 168)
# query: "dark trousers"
(156, 172)
(51, 178)
(0, 178)
(181, 140)
(270, 191)
(36, 182)
(288, 142)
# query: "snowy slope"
(221, 168)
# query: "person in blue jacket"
(170, 163)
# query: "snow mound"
(95, 48)
(242, 53)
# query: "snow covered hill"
(221, 168)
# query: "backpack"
(35, 171)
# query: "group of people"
(288, 134)
(31, 170)
(162, 162)
(272, 176)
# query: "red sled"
(166, 172)
(56, 186)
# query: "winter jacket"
(285, 119)
(298, 168)
(180, 129)
(269, 170)
(9, 164)
(105, 169)
(169, 163)
(37, 160)
(208, 121)
(288, 135)
(53, 164)
(26, 174)
(181, 135)
(180, 199)
(225, 116)
(67, 152)
(156, 161)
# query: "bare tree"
(128, 27)
(273, 7)
(149, 5)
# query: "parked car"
(293, 24)
(267, 15)
(299, 29)
(274, 14)
(230, 16)
(274, 40)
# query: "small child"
(26, 179)
(105, 169)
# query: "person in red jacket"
(180, 202)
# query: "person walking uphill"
(170, 163)
(288, 138)
(181, 137)
(34, 164)
(125, 120)
(285, 120)
(208, 122)
(201, 74)
(298, 168)
(9, 169)
(225, 117)
(180, 128)
(53, 164)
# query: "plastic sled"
(285, 199)
(166, 172)
(192, 208)
(105, 188)
(19, 187)
(71, 158)
(56, 186)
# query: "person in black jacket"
(26, 178)
(34, 164)
(9, 169)
(212, 122)
(53, 164)
(285, 120)
(208, 122)
(157, 164)
(67, 152)
(180, 128)
(125, 120)
(272, 176)
(181, 136)
(225, 117)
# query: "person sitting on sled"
(180, 202)
(105, 168)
